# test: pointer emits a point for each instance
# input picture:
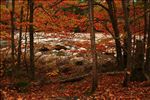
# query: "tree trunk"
(134, 23)
(20, 38)
(147, 63)
(31, 32)
(112, 15)
(125, 52)
(93, 46)
(26, 39)
(145, 21)
(128, 38)
(137, 73)
(7, 3)
(12, 33)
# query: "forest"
(74, 49)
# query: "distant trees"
(123, 19)
(138, 71)
(31, 32)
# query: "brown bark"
(20, 38)
(93, 46)
(137, 73)
(134, 38)
(31, 32)
(12, 33)
(145, 21)
(147, 63)
(26, 39)
(125, 5)
(128, 38)
(112, 15)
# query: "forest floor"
(109, 88)
(52, 84)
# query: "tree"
(147, 63)
(31, 32)
(145, 20)
(12, 33)
(26, 38)
(113, 18)
(20, 38)
(128, 38)
(93, 46)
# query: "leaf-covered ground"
(109, 85)
(109, 88)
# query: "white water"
(40, 37)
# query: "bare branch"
(56, 3)
(99, 4)
(52, 5)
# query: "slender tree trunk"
(25, 51)
(145, 20)
(7, 3)
(128, 36)
(20, 38)
(26, 39)
(134, 38)
(12, 33)
(31, 32)
(147, 63)
(125, 52)
(125, 5)
(93, 46)
(112, 15)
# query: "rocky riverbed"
(72, 52)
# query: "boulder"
(82, 49)
(38, 54)
(59, 47)
(62, 60)
(77, 61)
(64, 68)
(47, 58)
(43, 49)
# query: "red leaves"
(100, 47)
(109, 87)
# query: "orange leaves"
(24, 24)
(53, 73)
(48, 19)
(4, 35)
(84, 44)
(100, 47)
(57, 19)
